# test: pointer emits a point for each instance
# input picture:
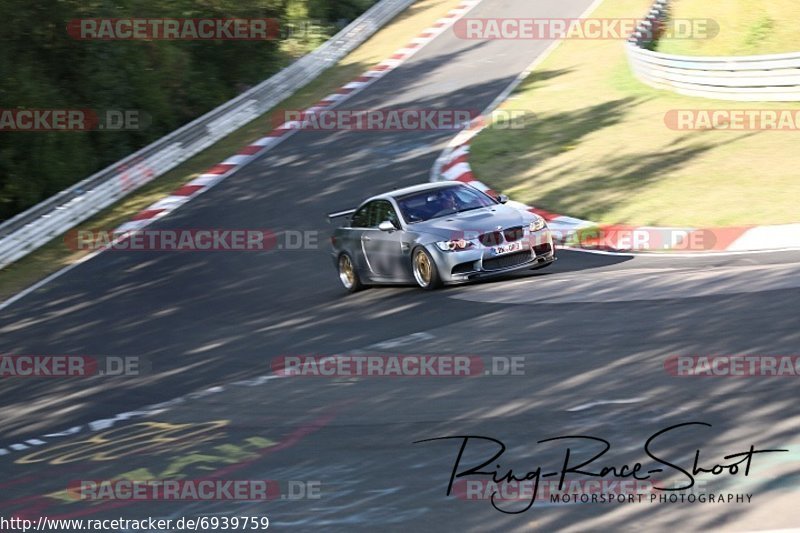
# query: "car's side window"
(361, 218)
(383, 211)
(373, 213)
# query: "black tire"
(424, 269)
(348, 274)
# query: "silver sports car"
(434, 234)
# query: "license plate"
(507, 248)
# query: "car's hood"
(473, 223)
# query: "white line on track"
(159, 408)
(667, 255)
(586, 406)
(267, 141)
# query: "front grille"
(542, 249)
(507, 261)
(514, 234)
(491, 239)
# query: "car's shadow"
(568, 261)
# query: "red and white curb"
(211, 177)
(454, 165)
(224, 169)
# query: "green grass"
(56, 255)
(746, 27)
(599, 149)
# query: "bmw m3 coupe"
(435, 234)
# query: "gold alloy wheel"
(422, 269)
(346, 273)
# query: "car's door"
(358, 224)
(384, 250)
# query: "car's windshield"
(419, 207)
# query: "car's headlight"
(454, 246)
(538, 224)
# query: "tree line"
(161, 83)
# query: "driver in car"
(443, 202)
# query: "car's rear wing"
(340, 214)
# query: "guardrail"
(38, 225)
(764, 78)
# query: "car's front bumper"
(479, 263)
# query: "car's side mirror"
(386, 226)
(502, 198)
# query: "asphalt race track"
(594, 332)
